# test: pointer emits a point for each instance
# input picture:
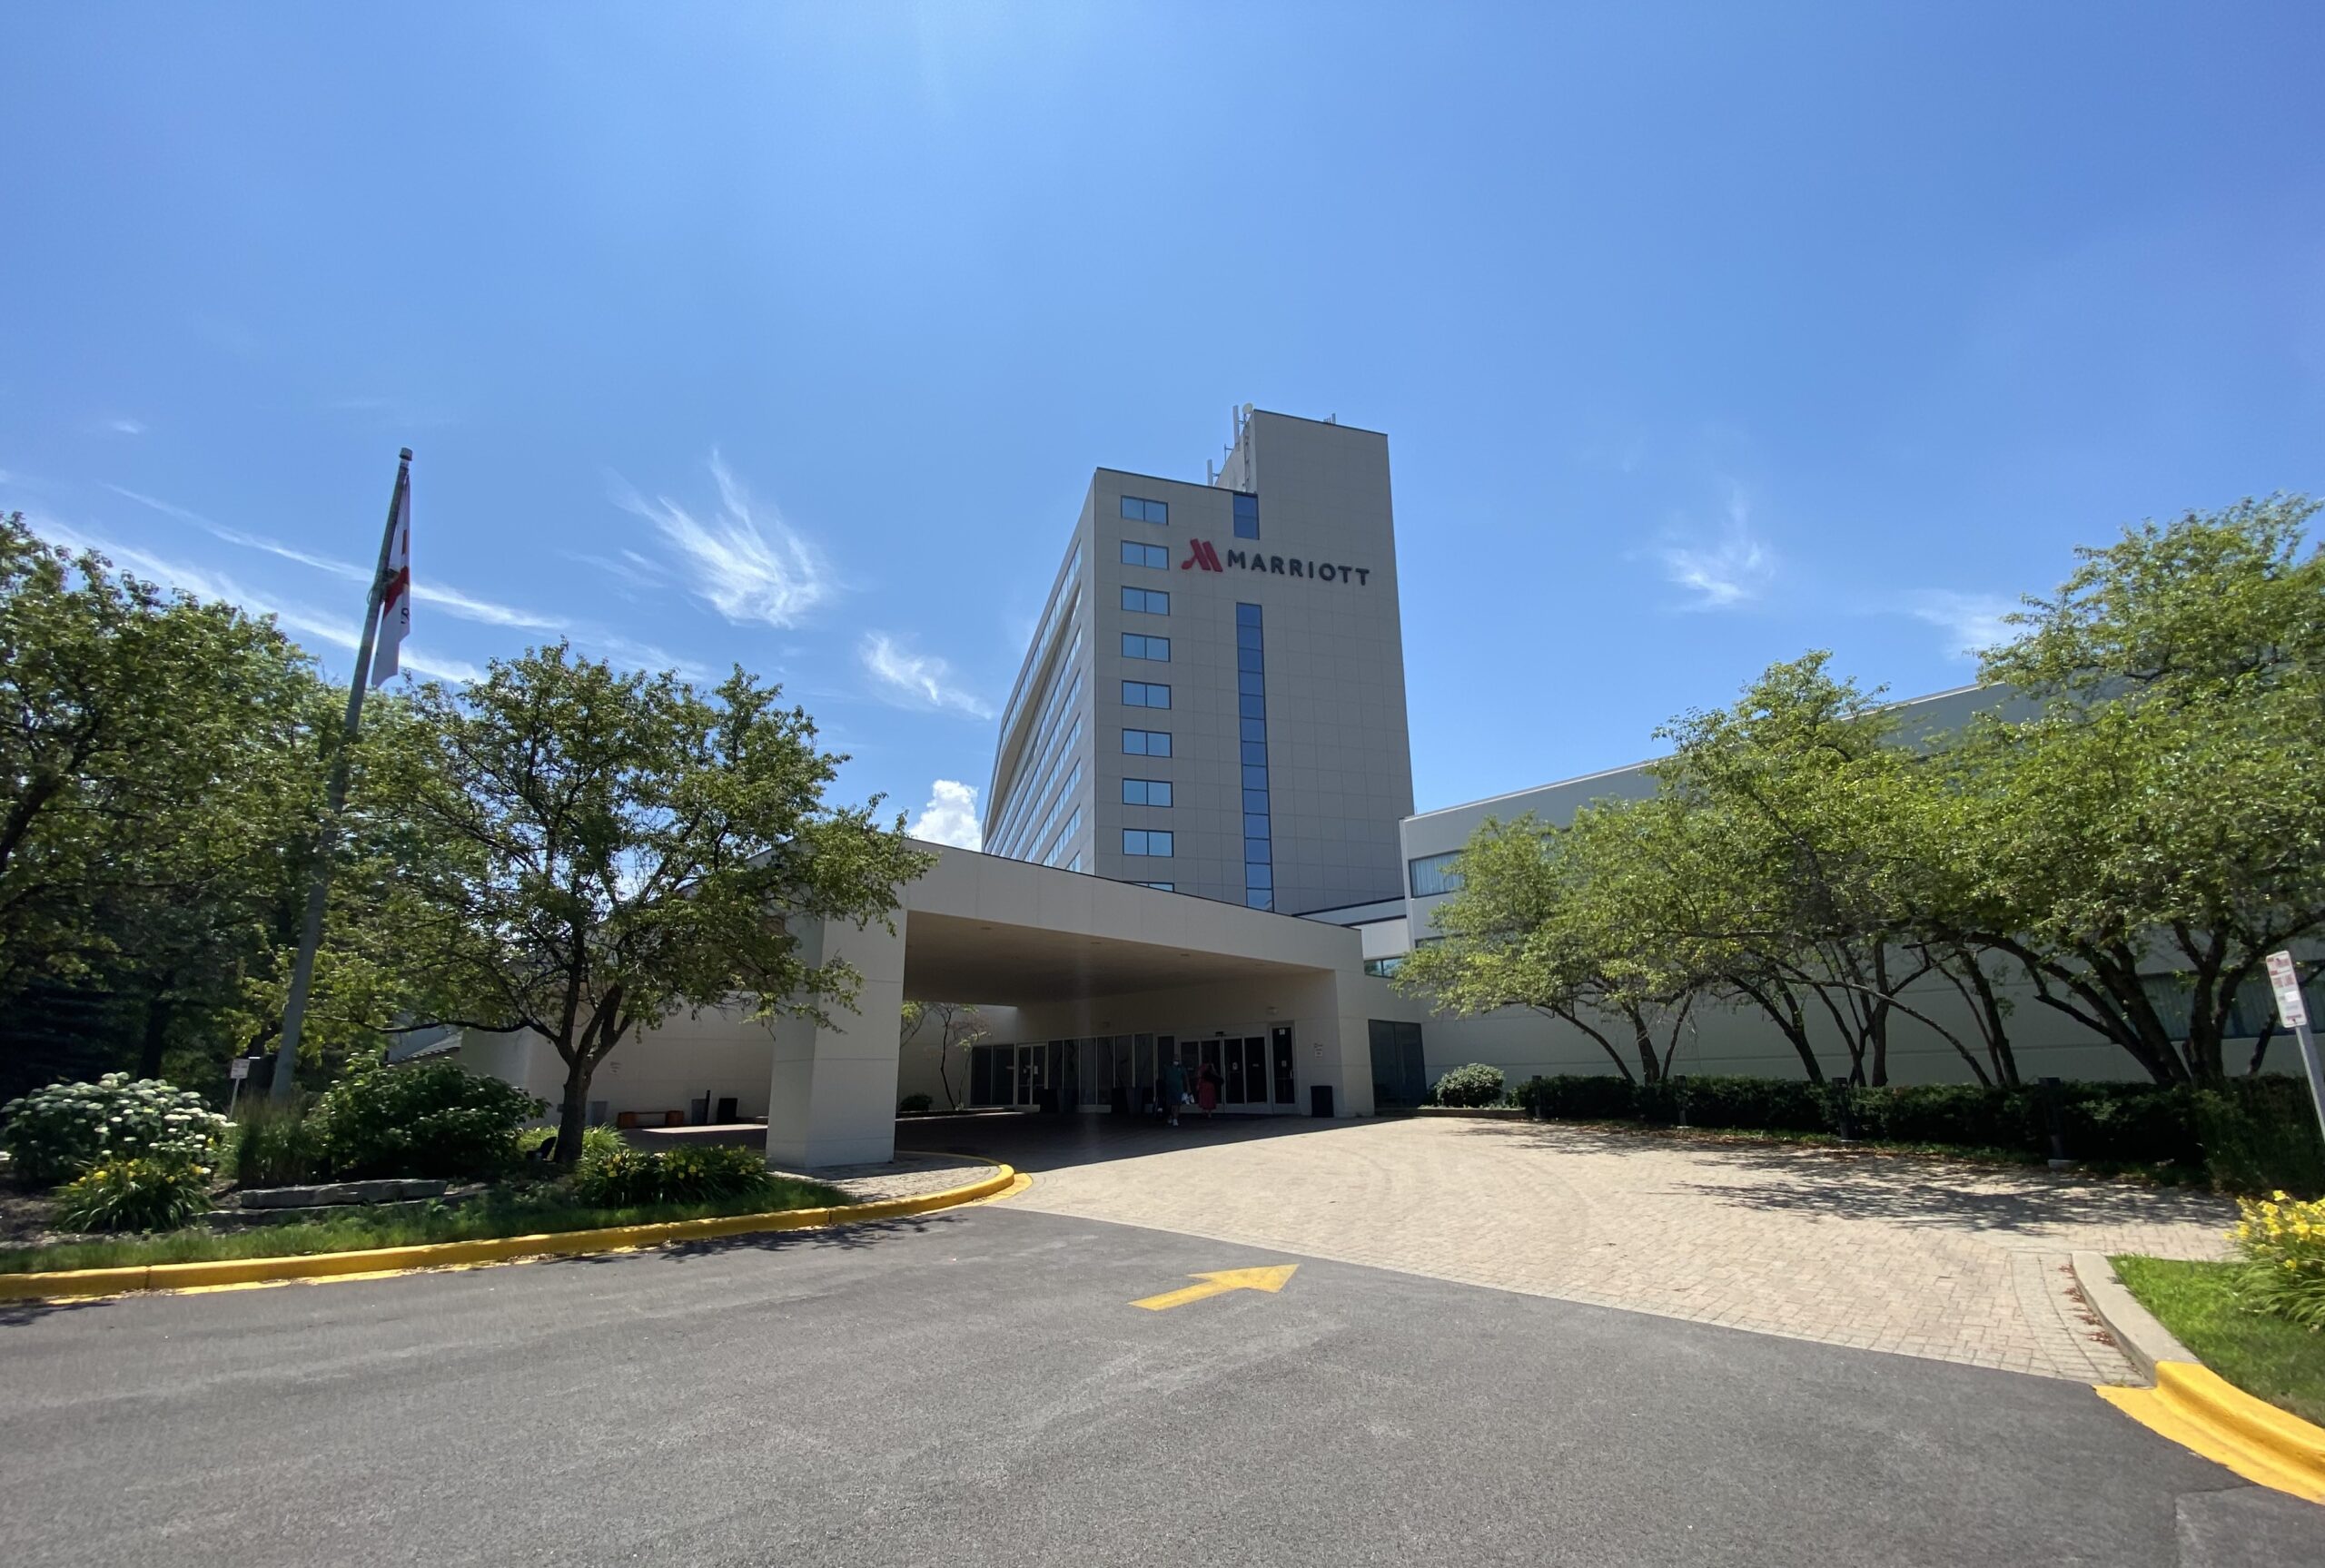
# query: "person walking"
(1172, 1090)
(1207, 1089)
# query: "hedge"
(2247, 1135)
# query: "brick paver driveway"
(1952, 1261)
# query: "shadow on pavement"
(1868, 1182)
(1034, 1142)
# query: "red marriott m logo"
(1200, 554)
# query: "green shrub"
(2260, 1134)
(912, 1103)
(1777, 1104)
(1575, 1097)
(133, 1194)
(627, 1178)
(431, 1119)
(1474, 1084)
(55, 1133)
(598, 1141)
(276, 1145)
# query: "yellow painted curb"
(1003, 1181)
(2197, 1408)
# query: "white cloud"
(745, 560)
(916, 680)
(1735, 568)
(126, 426)
(1972, 622)
(949, 817)
(451, 600)
(292, 616)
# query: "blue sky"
(789, 335)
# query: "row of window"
(1145, 695)
(1146, 792)
(1138, 554)
(1138, 509)
(1135, 646)
(1053, 740)
(1252, 728)
(1143, 841)
(1065, 838)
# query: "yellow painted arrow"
(1219, 1284)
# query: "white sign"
(239, 1068)
(2291, 1011)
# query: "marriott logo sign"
(1201, 556)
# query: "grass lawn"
(506, 1212)
(2266, 1357)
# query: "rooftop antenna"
(1210, 472)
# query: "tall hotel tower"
(1214, 699)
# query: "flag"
(395, 600)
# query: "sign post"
(2292, 1012)
(237, 1069)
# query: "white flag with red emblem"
(395, 601)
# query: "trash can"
(1320, 1100)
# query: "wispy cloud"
(745, 559)
(916, 680)
(950, 817)
(1731, 569)
(1972, 622)
(126, 426)
(207, 584)
(451, 601)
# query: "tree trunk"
(573, 1114)
(157, 1029)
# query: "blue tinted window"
(1137, 646)
(1145, 695)
(1256, 753)
(1146, 792)
(1247, 615)
(1255, 801)
(1251, 708)
(1140, 744)
(1145, 841)
(1255, 824)
(1138, 554)
(1158, 886)
(1248, 636)
(1249, 661)
(1259, 898)
(1249, 683)
(1251, 729)
(1255, 778)
(1259, 876)
(1146, 601)
(1247, 516)
(1257, 851)
(1139, 510)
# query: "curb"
(2193, 1406)
(82, 1282)
(2146, 1342)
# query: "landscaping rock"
(393, 1189)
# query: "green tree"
(2158, 827)
(592, 851)
(1546, 918)
(155, 757)
(957, 1026)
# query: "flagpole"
(311, 933)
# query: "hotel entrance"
(1120, 1072)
